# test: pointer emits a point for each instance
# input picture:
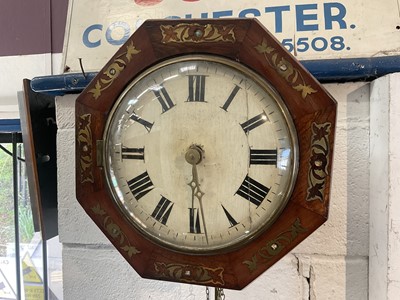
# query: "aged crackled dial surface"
(200, 154)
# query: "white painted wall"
(331, 264)
(384, 248)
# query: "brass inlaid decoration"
(319, 161)
(275, 246)
(85, 148)
(115, 231)
(114, 70)
(190, 273)
(196, 33)
(285, 69)
(114, 175)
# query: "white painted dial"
(200, 154)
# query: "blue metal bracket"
(346, 70)
(10, 125)
(334, 70)
(62, 84)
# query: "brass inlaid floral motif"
(196, 33)
(275, 246)
(85, 148)
(319, 161)
(114, 70)
(190, 273)
(285, 69)
(115, 231)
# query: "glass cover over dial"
(200, 154)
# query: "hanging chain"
(207, 293)
(222, 294)
(219, 294)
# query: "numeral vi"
(194, 220)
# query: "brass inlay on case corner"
(197, 33)
(113, 70)
(319, 161)
(285, 69)
(84, 141)
(115, 231)
(190, 273)
(274, 247)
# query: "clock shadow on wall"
(39, 130)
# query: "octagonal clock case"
(204, 151)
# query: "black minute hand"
(193, 156)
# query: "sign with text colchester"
(309, 29)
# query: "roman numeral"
(194, 220)
(254, 122)
(253, 191)
(231, 220)
(231, 97)
(197, 88)
(141, 121)
(132, 153)
(140, 185)
(163, 210)
(164, 99)
(263, 157)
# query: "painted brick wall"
(384, 245)
(331, 264)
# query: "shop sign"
(309, 29)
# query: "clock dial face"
(200, 154)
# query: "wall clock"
(204, 151)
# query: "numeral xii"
(164, 98)
(197, 88)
